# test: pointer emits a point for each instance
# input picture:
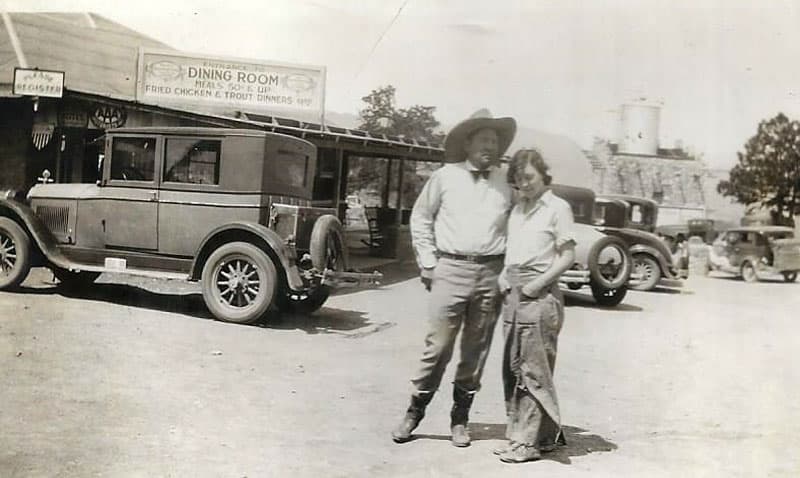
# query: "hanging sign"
(34, 82)
(188, 80)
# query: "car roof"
(760, 229)
(630, 198)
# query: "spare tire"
(327, 250)
(327, 246)
(610, 263)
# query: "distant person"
(540, 248)
(458, 229)
(680, 255)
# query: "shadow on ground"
(348, 323)
(580, 442)
(328, 320)
(577, 299)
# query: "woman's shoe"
(521, 454)
(505, 447)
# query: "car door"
(128, 204)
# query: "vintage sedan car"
(756, 252)
(642, 213)
(601, 261)
(229, 208)
(652, 259)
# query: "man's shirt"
(459, 214)
(535, 236)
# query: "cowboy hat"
(481, 119)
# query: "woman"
(540, 248)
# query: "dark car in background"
(642, 213)
(652, 260)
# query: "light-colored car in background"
(757, 252)
(602, 262)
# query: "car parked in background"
(602, 262)
(642, 213)
(757, 252)
(652, 260)
(229, 208)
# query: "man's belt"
(470, 258)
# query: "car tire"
(648, 266)
(74, 280)
(623, 273)
(229, 289)
(15, 254)
(608, 297)
(327, 251)
(748, 272)
(790, 276)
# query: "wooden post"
(399, 202)
(385, 198)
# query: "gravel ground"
(134, 378)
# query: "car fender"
(243, 230)
(653, 252)
(44, 240)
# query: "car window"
(133, 159)
(733, 237)
(637, 215)
(192, 161)
(291, 167)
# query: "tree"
(381, 116)
(768, 171)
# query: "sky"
(716, 67)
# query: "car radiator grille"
(56, 218)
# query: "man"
(458, 229)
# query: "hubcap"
(8, 254)
(644, 269)
(238, 282)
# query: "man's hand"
(502, 284)
(426, 276)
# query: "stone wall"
(674, 181)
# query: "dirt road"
(137, 380)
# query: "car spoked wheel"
(239, 282)
(749, 272)
(327, 252)
(15, 260)
(649, 271)
(790, 276)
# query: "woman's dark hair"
(524, 157)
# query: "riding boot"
(414, 415)
(459, 416)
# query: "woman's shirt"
(534, 237)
